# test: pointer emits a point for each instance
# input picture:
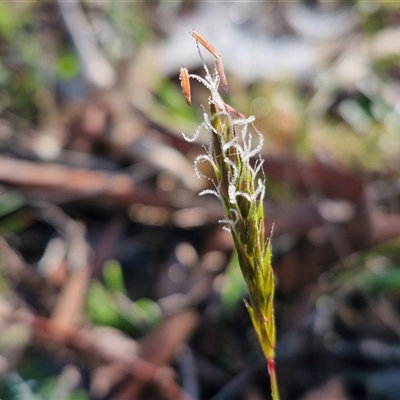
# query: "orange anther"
(185, 83)
(205, 43)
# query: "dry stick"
(76, 183)
(83, 340)
(241, 191)
(22, 275)
(70, 304)
(159, 347)
(52, 332)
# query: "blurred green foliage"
(46, 388)
(22, 62)
(108, 304)
(234, 287)
(375, 271)
(385, 281)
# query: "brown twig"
(81, 340)
(118, 188)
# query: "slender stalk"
(239, 184)
(273, 379)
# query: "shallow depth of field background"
(117, 281)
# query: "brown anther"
(185, 83)
(221, 73)
(206, 44)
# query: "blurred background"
(116, 279)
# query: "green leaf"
(385, 281)
(79, 395)
(10, 202)
(68, 66)
(102, 309)
(8, 22)
(114, 277)
(148, 311)
(113, 308)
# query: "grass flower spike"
(235, 155)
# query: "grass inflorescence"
(234, 153)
